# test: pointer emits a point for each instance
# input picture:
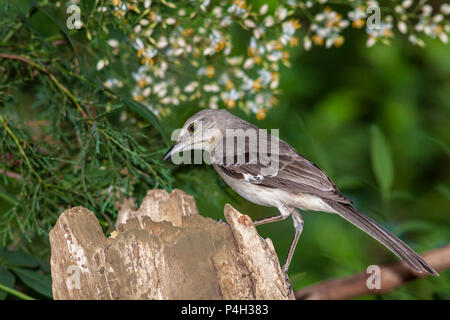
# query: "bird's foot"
(220, 221)
(287, 283)
(263, 241)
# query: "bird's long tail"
(372, 228)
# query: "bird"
(269, 172)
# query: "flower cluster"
(191, 51)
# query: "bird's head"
(202, 131)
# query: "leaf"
(382, 164)
(36, 281)
(19, 259)
(147, 114)
(7, 279)
(7, 196)
(138, 107)
(58, 22)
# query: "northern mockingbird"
(269, 172)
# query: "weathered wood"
(163, 250)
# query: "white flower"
(162, 42)
(281, 13)
(407, 3)
(402, 27)
(113, 82)
(263, 9)
(171, 21)
(206, 3)
(265, 76)
(160, 89)
(101, 63)
(443, 37)
(238, 8)
(113, 43)
(427, 10)
(248, 64)
(146, 92)
(307, 43)
(230, 97)
(191, 87)
(445, 8)
(358, 13)
(211, 87)
(289, 28)
(141, 77)
(138, 44)
(249, 23)
(258, 32)
(213, 102)
(269, 21)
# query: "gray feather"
(295, 173)
(379, 233)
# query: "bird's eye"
(192, 127)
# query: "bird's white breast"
(272, 197)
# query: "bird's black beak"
(168, 153)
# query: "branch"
(163, 250)
(393, 275)
(19, 147)
(10, 174)
(52, 78)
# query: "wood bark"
(163, 250)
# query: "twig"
(22, 152)
(51, 76)
(393, 275)
(16, 293)
(10, 174)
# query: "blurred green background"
(334, 107)
(376, 120)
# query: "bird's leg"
(298, 225)
(271, 219)
(280, 217)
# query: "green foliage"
(69, 147)
(382, 162)
(66, 140)
(27, 269)
(38, 282)
(7, 279)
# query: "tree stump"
(163, 250)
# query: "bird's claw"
(286, 278)
(263, 241)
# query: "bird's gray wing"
(294, 174)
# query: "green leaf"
(147, 114)
(382, 164)
(8, 197)
(58, 22)
(19, 259)
(7, 279)
(36, 281)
